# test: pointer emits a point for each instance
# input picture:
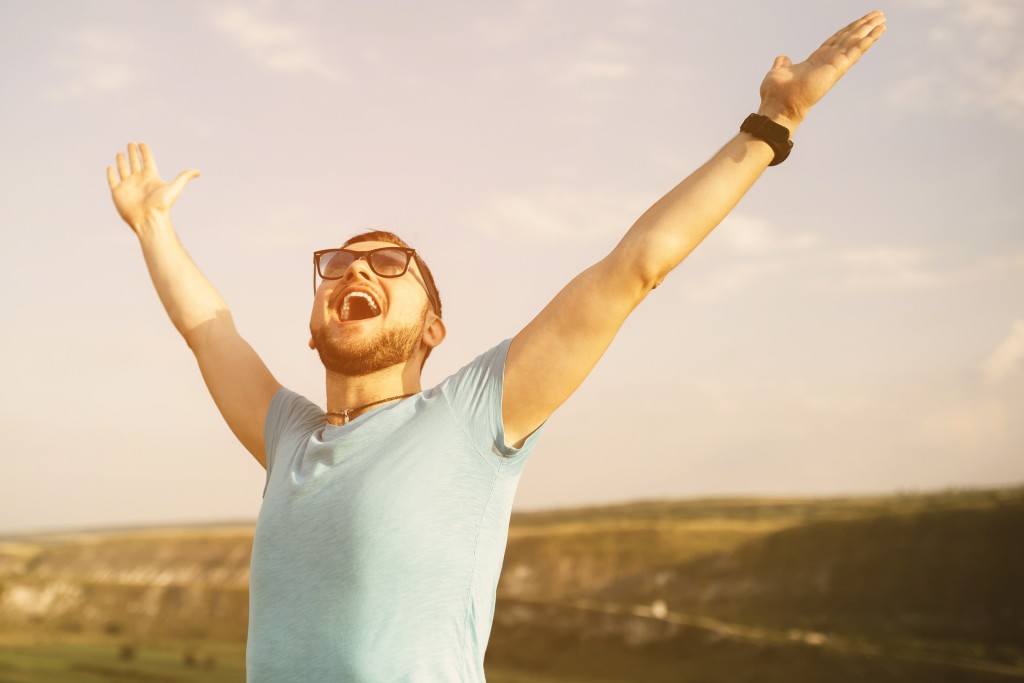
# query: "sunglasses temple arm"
(428, 282)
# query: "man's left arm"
(556, 351)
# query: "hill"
(908, 587)
(950, 573)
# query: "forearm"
(667, 232)
(187, 296)
(673, 227)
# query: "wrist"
(773, 134)
(778, 115)
(153, 222)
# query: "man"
(384, 521)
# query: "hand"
(789, 90)
(141, 191)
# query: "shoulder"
(289, 410)
(487, 369)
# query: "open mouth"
(358, 306)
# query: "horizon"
(241, 524)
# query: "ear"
(433, 330)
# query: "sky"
(856, 325)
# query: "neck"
(346, 392)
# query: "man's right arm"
(241, 385)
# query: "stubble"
(359, 357)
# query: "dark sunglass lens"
(334, 264)
(389, 262)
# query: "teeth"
(345, 309)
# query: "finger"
(867, 41)
(111, 177)
(147, 158)
(133, 157)
(182, 180)
(122, 166)
(868, 18)
(862, 30)
(782, 61)
(859, 41)
(839, 34)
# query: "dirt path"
(811, 638)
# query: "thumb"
(182, 180)
(782, 61)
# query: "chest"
(377, 508)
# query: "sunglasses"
(332, 264)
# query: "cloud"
(1013, 262)
(104, 63)
(887, 268)
(597, 60)
(597, 69)
(974, 62)
(280, 47)
(838, 404)
(594, 61)
(730, 279)
(744, 232)
(762, 250)
(766, 254)
(551, 216)
(499, 33)
(974, 425)
(799, 258)
(1007, 358)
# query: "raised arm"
(239, 382)
(553, 354)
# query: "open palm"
(140, 190)
(790, 90)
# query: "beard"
(355, 358)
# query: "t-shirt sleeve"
(474, 395)
(290, 417)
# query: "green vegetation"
(693, 655)
(949, 575)
(111, 662)
(911, 587)
(105, 662)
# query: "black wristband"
(776, 135)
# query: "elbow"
(648, 262)
(658, 254)
(629, 272)
(651, 275)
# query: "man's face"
(363, 322)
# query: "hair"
(428, 280)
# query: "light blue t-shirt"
(379, 543)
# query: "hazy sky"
(856, 325)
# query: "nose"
(359, 268)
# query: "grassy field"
(920, 588)
(104, 663)
(535, 658)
